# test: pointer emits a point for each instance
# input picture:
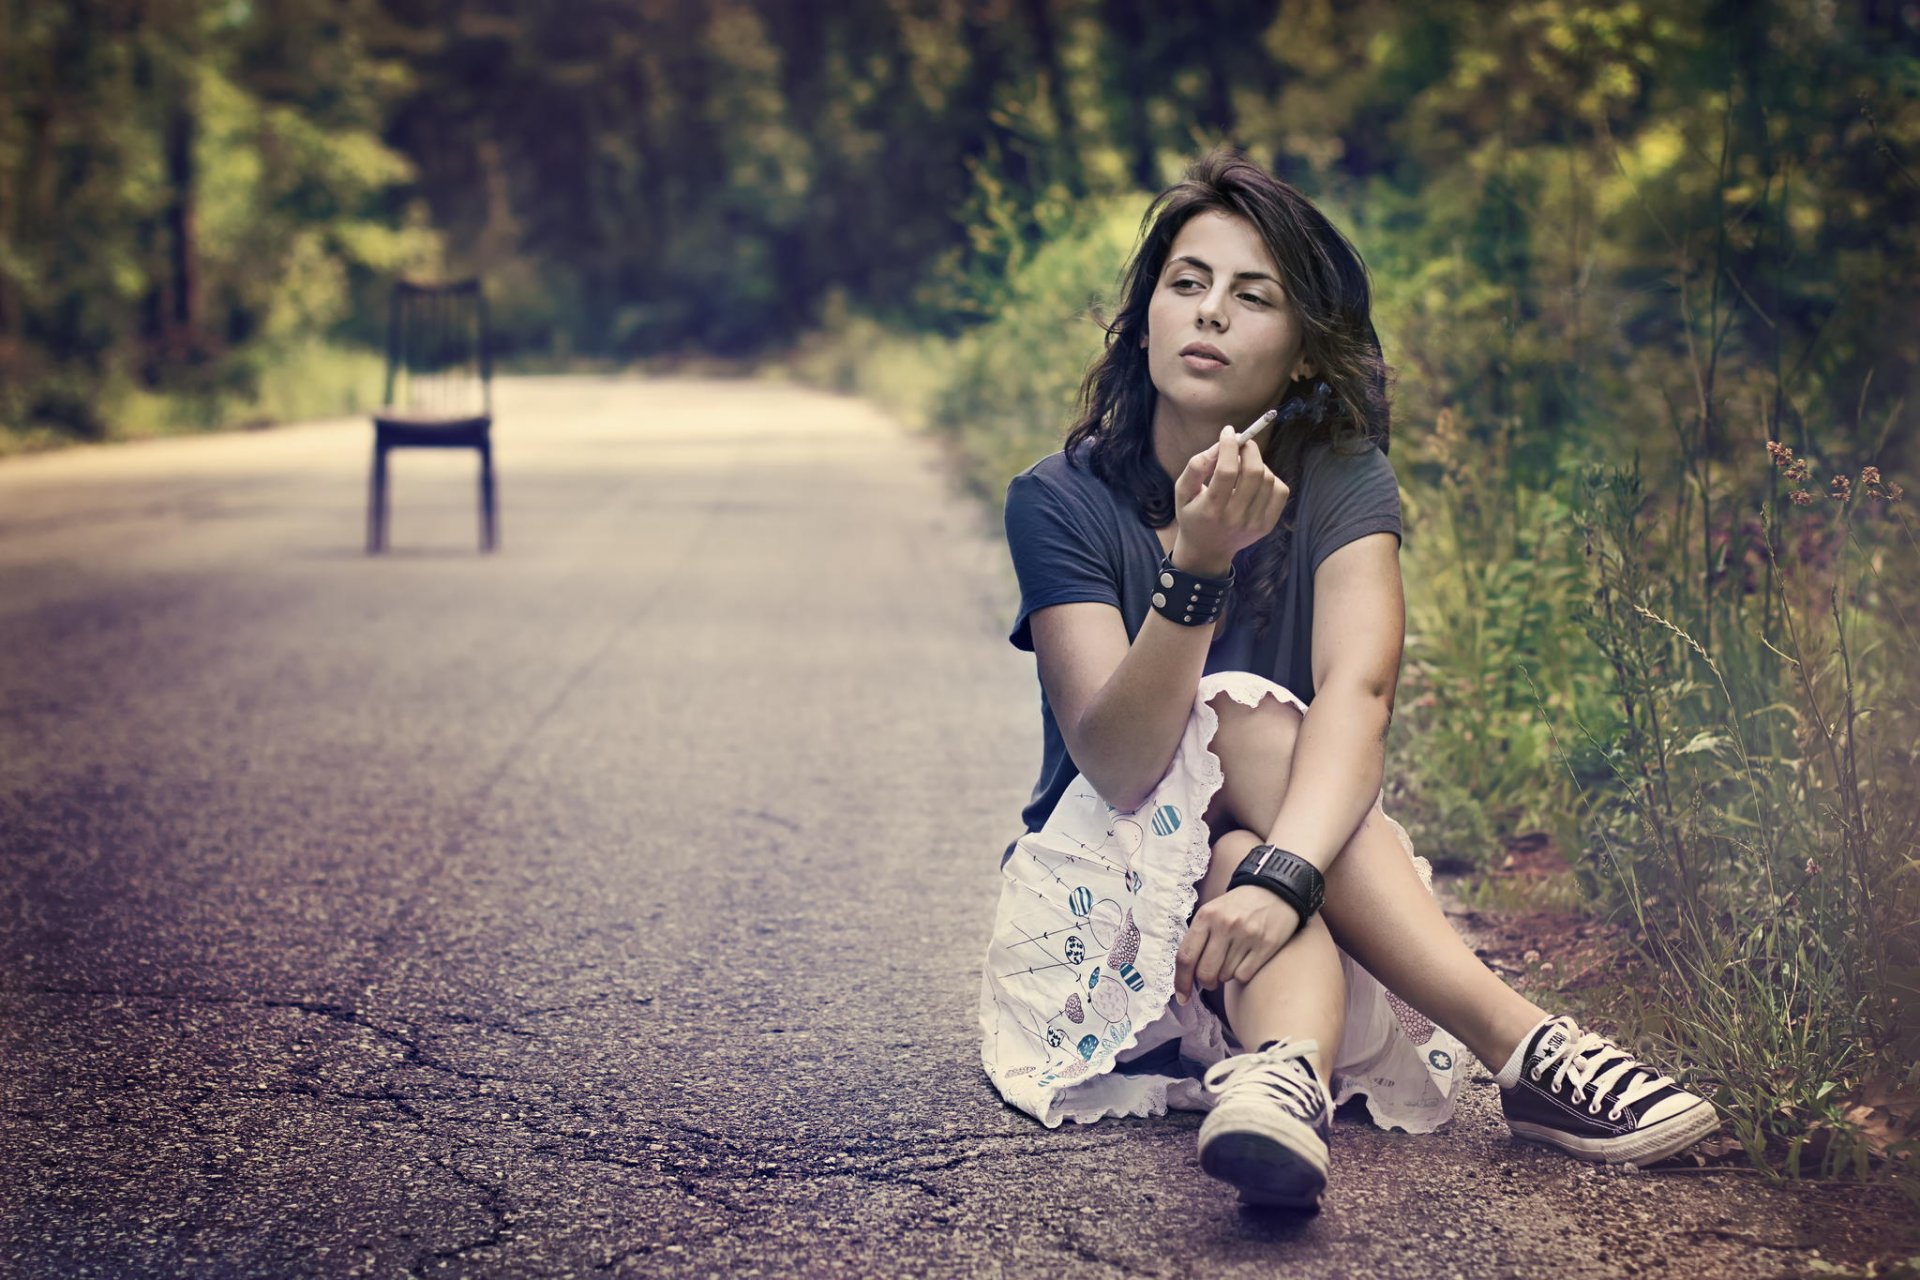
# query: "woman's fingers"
(1249, 498)
(1199, 469)
(1227, 498)
(1238, 942)
(1247, 494)
(1254, 959)
(1202, 954)
(1212, 965)
(1274, 502)
(1236, 959)
(1226, 474)
(1187, 956)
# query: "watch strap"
(1285, 873)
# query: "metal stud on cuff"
(1206, 597)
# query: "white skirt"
(1076, 1011)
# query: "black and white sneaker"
(1267, 1134)
(1592, 1099)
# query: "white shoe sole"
(1642, 1146)
(1274, 1159)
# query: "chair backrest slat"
(438, 362)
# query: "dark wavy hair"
(1343, 404)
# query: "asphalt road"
(610, 905)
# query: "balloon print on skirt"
(1080, 901)
(1073, 1011)
(1126, 948)
(1076, 949)
(1109, 1000)
(1104, 921)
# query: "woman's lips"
(1203, 357)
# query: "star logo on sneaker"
(1441, 1059)
(1551, 1044)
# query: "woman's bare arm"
(1359, 625)
(1122, 707)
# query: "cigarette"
(1259, 424)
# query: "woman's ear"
(1305, 371)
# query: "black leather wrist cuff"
(1291, 876)
(1186, 598)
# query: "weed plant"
(1492, 571)
(1761, 827)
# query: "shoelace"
(1279, 1069)
(1581, 1060)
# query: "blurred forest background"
(1648, 275)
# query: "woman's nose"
(1211, 311)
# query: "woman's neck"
(1177, 436)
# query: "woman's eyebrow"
(1238, 275)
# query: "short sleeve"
(1055, 559)
(1353, 495)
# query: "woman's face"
(1221, 290)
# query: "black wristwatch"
(1296, 880)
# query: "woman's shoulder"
(1346, 451)
(1063, 477)
(1346, 464)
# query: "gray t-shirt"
(1074, 538)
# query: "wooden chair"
(439, 392)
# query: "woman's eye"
(1254, 297)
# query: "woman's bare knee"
(1255, 746)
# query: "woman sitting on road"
(1188, 595)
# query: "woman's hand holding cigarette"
(1225, 500)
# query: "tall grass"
(1761, 829)
(1492, 571)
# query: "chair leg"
(377, 502)
(487, 515)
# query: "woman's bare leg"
(1384, 918)
(1376, 909)
(1301, 992)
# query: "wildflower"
(1813, 868)
(1842, 489)
(1780, 454)
(1547, 967)
(1799, 471)
(1893, 492)
(1532, 956)
(1800, 497)
(1869, 475)
(1653, 900)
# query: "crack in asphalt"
(492, 1203)
(706, 1167)
(1074, 1247)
